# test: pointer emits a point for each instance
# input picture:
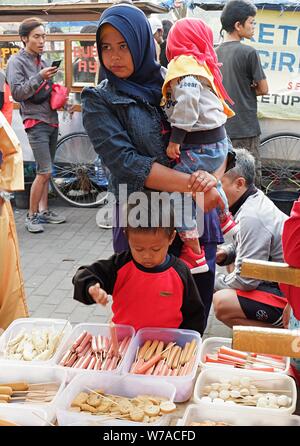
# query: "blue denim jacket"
(125, 132)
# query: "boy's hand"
(173, 150)
(286, 316)
(98, 294)
(220, 256)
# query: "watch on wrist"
(5, 195)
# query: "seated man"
(239, 300)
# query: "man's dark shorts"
(43, 140)
(253, 304)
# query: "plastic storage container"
(28, 324)
(24, 416)
(269, 382)
(184, 384)
(94, 329)
(33, 374)
(211, 344)
(232, 415)
(128, 386)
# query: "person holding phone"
(27, 72)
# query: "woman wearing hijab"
(128, 129)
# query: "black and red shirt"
(164, 296)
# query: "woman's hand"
(202, 181)
(98, 294)
(173, 150)
(212, 199)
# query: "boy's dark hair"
(167, 25)
(88, 29)
(28, 25)
(157, 213)
(236, 11)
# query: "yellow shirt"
(188, 65)
(11, 169)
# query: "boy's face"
(246, 31)
(149, 248)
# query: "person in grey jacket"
(26, 73)
(239, 300)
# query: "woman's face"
(115, 53)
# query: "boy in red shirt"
(150, 287)
(291, 251)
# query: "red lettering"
(290, 85)
(77, 51)
(82, 66)
(93, 67)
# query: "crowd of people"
(191, 132)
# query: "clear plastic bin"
(269, 382)
(184, 384)
(28, 324)
(94, 329)
(123, 385)
(33, 374)
(211, 344)
(232, 415)
(24, 416)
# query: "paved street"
(50, 259)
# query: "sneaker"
(51, 217)
(228, 225)
(196, 262)
(33, 223)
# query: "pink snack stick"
(114, 339)
(230, 358)
(113, 363)
(92, 363)
(94, 344)
(150, 371)
(79, 362)
(71, 361)
(84, 343)
(98, 364)
(79, 339)
(158, 367)
(65, 358)
(86, 361)
(127, 345)
(99, 343)
(105, 345)
(85, 351)
(231, 352)
(122, 345)
(137, 365)
(105, 363)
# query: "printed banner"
(277, 40)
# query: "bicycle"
(280, 159)
(78, 176)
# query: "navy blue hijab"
(146, 81)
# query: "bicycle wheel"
(280, 158)
(78, 176)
